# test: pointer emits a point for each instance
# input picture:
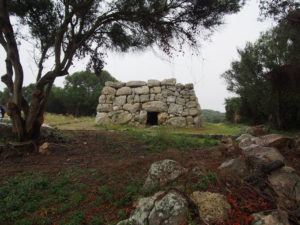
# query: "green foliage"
(250, 78)
(212, 116)
(4, 96)
(162, 139)
(205, 181)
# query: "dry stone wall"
(135, 102)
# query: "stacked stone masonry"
(173, 103)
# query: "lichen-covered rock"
(102, 99)
(120, 100)
(144, 98)
(213, 207)
(274, 140)
(136, 83)
(121, 117)
(124, 91)
(244, 136)
(114, 84)
(103, 119)
(270, 218)
(132, 107)
(286, 184)
(171, 81)
(108, 91)
(162, 208)
(163, 172)
(175, 109)
(162, 118)
(153, 83)
(233, 169)
(155, 90)
(144, 90)
(177, 121)
(191, 104)
(155, 106)
(104, 108)
(193, 112)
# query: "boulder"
(155, 90)
(120, 100)
(136, 83)
(108, 91)
(175, 109)
(114, 84)
(104, 108)
(103, 118)
(102, 99)
(153, 83)
(163, 172)
(274, 140)
(121, 117)
(213, 207)
(144, 90)
(193, 112)
(286, 183)
(124, 91)
(155, 106)
(177, 122)
(162, 208)
(244, 136)
(171, 81)
(132, 107)
(142, 117)
(258, 130)
(233, 169)
(270, 218)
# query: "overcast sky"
(202, 68)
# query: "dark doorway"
(152, 119)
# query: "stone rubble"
(176, 104)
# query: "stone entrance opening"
(152, 118)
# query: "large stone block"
(103, 119)
(121, 117)
(132, 107)
(193, 112)
(180, 101)
(175, 109)
(108, 91)
(171, 99)
(124, 91)
(120, 100)
(114, 84)
(110, 99)
(144, 98)
(155, 90)
(153, 83)
(104, 108)
(170, 82)
(144, 90)
(177, 122)
(102, 99)
(155, 106)
(136, 83)
(191, 104)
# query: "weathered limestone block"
(143, 117)
(177, 122)
(124, 91)
(110, 99)
(171, 99)
(155, 106)
(165, 93)
(170, 82)
(189, 120)
(121, 117)
(117, 108)
(191, 104)
(193, 98)
(159, 97)
(171, 88)
(152, 97)
(179, 86)
(175, 109)
(114, 84)
(189, 86)
(104, 108)
(136, 99)
(144, 98)
(185, 112)
(155, 90)
(144, 90)
(162, 118)
(103, 118)
(130, 99)
(108, 91)
(136, 83)
(193, 112)
(132, 107)
(120, 101)
(102, 99)
(153, 83)
(180, 101)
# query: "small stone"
(44, 149)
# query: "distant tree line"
(78, 97)
(212, 116)
(266, 78)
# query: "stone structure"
(152, 103)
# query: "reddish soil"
(121, 159)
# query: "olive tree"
(72, 29)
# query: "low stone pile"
(262, 165)
(172, 103)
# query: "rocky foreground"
(260, 165)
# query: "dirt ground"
(119, 159)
